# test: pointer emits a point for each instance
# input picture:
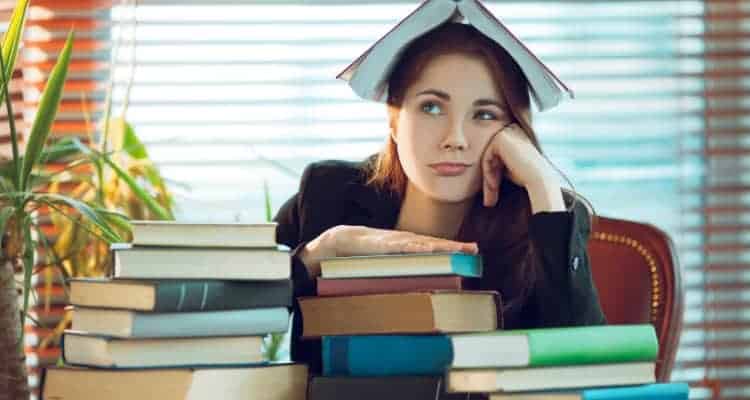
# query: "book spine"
(396, 355)
(359, 286)
(605, 344)
(467, 265)
(214, 295)
(661, 391)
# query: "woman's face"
(447, 118)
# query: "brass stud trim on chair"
(650, 259)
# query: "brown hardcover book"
(432, 312)
(267, 382)
(378, 388)
(356, 286)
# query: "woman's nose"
(455, 138)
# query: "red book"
(356, 286)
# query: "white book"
(368, 74)
(201, 263)
(80, 348)
(187, 234)
(548, 378)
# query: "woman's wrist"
(545, 195)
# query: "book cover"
(368, 74)
(179, 295)
(358, 286)
(556, 346)
(433, 312)
(389, 265)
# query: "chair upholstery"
(637, 275)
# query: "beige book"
(425, 312)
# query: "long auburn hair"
(501, 232)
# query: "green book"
(555, 346)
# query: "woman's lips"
(449, 169)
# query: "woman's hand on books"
(354, 240)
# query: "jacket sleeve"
(288, 232)
(565, 294)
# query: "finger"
(489, 175)
(491, 194)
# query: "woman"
(461, 171)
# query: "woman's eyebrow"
(489, 102)
(477, 103)
(435, 92)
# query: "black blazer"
(333, 193)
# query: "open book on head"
(368, 74)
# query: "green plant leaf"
(132, 144)
(48, 105)
(11, 41)
(267, 200)
(142, 195)
(88, 212)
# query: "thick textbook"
(375, 355)
(389, 265)
(407, 313)
(128, 323)
(195, 234)
(655, 391)
(269, 382)
(80, 348)
(368, 74)
(201, 263)
(172, 295)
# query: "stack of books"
(429, 338)
(392, 298)
(183, 317)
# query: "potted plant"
(20, 197)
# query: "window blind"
(231, 94)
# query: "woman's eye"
(431, 108)
(485, 115)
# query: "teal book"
(655, 391)
(376, 355)
(413, 264)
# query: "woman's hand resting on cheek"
(511, 154)
(348, 240)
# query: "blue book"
(661, 391)
(387, 355)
